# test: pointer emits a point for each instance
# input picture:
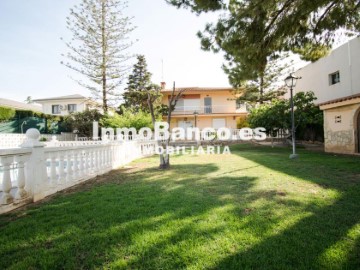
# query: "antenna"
(162, 70)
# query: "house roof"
(198, 89)
(76, 96)
(19, 105)
(340, 100)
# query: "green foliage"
(276, 115)
(29, 100)
(45, 123)
(272, 116)
(6, 114)
(198, 6)
(129, 119)
(82, 121)
(250, 32)
(43, 139)
(97, 50)
(139, 88)
(263, 88)
(242, 122)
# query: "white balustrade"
(37, 170)
(6, 181)
(12, 175)
(13, 140)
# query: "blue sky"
(30, 47)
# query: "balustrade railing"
(210, 109)
(36, 170)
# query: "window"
(239, 104)
(55, 109)
(192, 105)
(334, 78)
(72, 108)
(208, 105)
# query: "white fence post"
(35, 168)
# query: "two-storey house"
(205, 107)
(64, 105)
(335, 80)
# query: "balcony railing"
(186, 110)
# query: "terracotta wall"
(222, 101)
(203, 122)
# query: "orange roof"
(340, 100)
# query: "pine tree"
(98, 47)
(260, 89)
(139, 82)
(252, 31)
(29, 100)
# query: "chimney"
(163, 85)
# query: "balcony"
(216, 109)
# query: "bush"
(276, 115)
(6, 114)
(82, 122)
(128, 119)
(242, 122)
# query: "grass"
(254, 209)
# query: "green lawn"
(254, 209)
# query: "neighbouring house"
(342, 125)
(335, 80)
(64, 105)
(19, 105)
(205, 107)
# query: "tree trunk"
(261, 89)
(165, 157)
(164, 162)
(151, 109)
(103, 35)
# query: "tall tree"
(176, 94)
(252, 31)
(139, 87)
(264, 88)
(29, 100)
(98, 46)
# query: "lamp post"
(195, 115)
(290, 82)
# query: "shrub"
(6, 114)
(43, 139)
(242, 122)
(82, 121)
(128, 119)
(276, 115)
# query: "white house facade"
(335, 80)
(335, 76)
(65, 105)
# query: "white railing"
(213, 109)
(12, 140)
(31, 173)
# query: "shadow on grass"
(194, 216)
(136, 223)
(329, 237)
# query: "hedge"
(52, 122)
(6, 114)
